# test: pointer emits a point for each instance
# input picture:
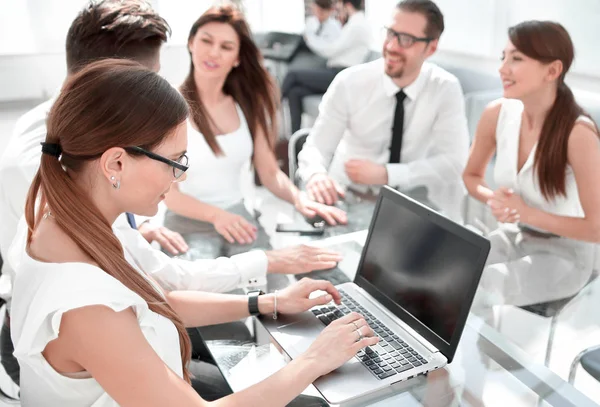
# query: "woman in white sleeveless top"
(232, 126)
(91, 327)
(547, 168)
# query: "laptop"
(278, 46)
(415, 282)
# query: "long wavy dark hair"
(546, 42)
(250, 84)
(109, 103)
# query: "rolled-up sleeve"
(321, 144)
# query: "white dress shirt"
(329, 30)
(355, 122)
(19, 165)
(349, 48)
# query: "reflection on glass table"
(487, 371)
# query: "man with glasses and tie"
(397, 121)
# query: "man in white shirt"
(322, 24)
(364, 137)
(350, 48)
(126, 29)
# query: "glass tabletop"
(488, 370)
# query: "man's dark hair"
(435, 18)
(324, 4)
(115, 29)
(357, 4)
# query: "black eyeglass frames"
(404, 40)
(179, 167)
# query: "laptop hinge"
(430, 347)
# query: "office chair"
(553, 310)
(5, 398)
(590, 362)
(295, 145)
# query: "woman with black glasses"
(91, 325)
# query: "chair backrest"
(472, 80)
(372, 56)
(590, 104)
(295, 145)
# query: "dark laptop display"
(424, 268)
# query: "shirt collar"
(412, 91)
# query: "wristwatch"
(253, 302)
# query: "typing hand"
(296, 297)
(339, 342)
(171, 241)
(234, 228)
(323, 189)
(366, 172)
(301, 259)
(310, 209)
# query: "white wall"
(476, 32)
(32, 35)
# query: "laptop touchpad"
(299, 331)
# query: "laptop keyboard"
(390, 356)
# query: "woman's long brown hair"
(250, 85)
(111, 103)
(547, 41)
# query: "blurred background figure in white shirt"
(350, 48)
(322, 23)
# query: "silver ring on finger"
(360, 335)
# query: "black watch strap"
(253, 302)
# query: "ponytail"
(128, 94)
(550, 159)
(547, 42)
(95, 237)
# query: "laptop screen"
(416, 259)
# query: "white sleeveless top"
(216, 180)
(43, 292)
(525, 182)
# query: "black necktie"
(131, 220)
(396, 145)
(320, 29)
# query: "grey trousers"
(206, 243)
(527, 267)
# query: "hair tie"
(52, 149)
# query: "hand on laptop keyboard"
(392, 355)
(339, 342)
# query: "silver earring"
(117, 184)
